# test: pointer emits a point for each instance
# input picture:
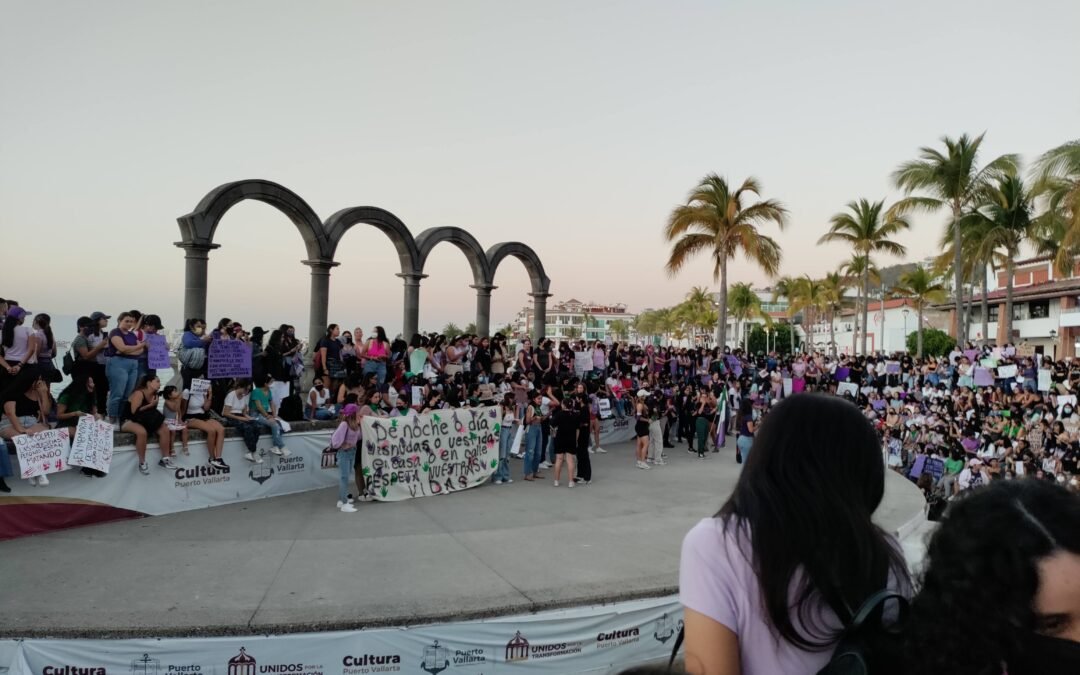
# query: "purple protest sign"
(228, 358)
(157, 354)
(842, 374)
(983, 377)
(971, 354)
(892, 367)
(917, 468)
(877, 404)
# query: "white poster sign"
(431, 453)
(1006, 372)
(1044, 379)
(42, 453)
(1062, 400)
(200, 387)
(93, 444)
(847, 388)
(604, 406)
(593, 639)
(787, 387)
(582, 363)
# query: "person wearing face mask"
(122, 368)
(318, 404)
(1002, 581)
(192, 352)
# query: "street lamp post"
(1053, 338)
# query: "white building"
(574, 319)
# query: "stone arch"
(478, 261)
(198, 227)
(340, 222)
(499, 252)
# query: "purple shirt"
(717, 579)
(129, 338)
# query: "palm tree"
(807, 296)
(745, 304)
(1004, 224)
(833, 301)
(697, 303)
(451, 330)
(572, 333)
(619, 328)
(921, 286)
(950, 180)
(853, 271)
(1057, 180)
(721, 223)
(470, 328)
(784, 287)
(867, 228)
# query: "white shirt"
(195, 402)
(20, 345)
(238, 405)
(320, 397)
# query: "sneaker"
(557, 483)
(347, 508)
(570, 484)
(601, 451)
(545, 464)
(349, 498)
(167, 463)
(221, 463)
(252, 457)
(278, 451)
(509, 480)
(660, 462)
(498, 481)
(366, 498)
(218, 464)
(285, 452)
(592, 452)
(33, 481)
(649, 460)
(144, 469)
(341, 503)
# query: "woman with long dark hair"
(376, 354)
(1001, 584)
(769, 583)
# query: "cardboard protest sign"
(983, 377)
(431, 453)
(989, 363)
(157, 353)
(604, 406)
(582, 363)
(847, 388)
(892, 367)
(93, 445)
(1006, 372)
(42, 453)
(1025, 350)
(199, 387)
(1044, 379)
(228, 358)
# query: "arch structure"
(321, 241)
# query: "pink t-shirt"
(717, 579)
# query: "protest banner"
(199, 386)
(989, 363)
(935, 467)
(847, 388)
(417, 396)
(604, 406)
(983, 377)
(971, 354)
(93, 445)
(787, 386)
(582, 363)
(1025, 350)
(1044, 379)
(486, 392)
(892, 367)
(228, 358)
(842, 374)
(1006, 372)
(430, 454)
(42, 453)
(157, 354)
(1062, 400)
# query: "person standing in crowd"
(768, 583)
(565, 421)
(140, 416)
(508, 408)
(534, 450)
(641, 429)
(581, 437)
(702, 419)
(16, 341)
(745, 427)
(329, 350)
(264, 412)
(235, 411)
(192, 352)
(150, 324)
(376, 354)
(344, 442)
(122, 367)
(1002, 581)
(87, 346)
(45, 349)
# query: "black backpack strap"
(675, 649)
(873, 603)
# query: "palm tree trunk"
(957, 272)
(721, 323)
(791, 334)
(1009, 267)
(866, 303)
(918, 339)
(855, 322)
(985, 310)
(832, 331)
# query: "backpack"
(854, 653)
(192, 358)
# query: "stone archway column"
(196, 262)
(483, 309)
(319, 301)
(411, 323)
(539, 327)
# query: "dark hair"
(76, 390)
(9, 330)
(167, 391)
(259, 380)
(145, 380)
(20, 383)
(189, 325)
(981, 576)
(45, 321)
(223, 324)
(380, 334)
(330, 330)
(807, 493)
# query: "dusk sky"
(574, 127)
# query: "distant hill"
(890, 276)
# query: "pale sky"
(572, 126)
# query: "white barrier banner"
(42, 453)
(93, 444)
(431, 453)
(615, 430)
(586, 639)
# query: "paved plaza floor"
(295, 563)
